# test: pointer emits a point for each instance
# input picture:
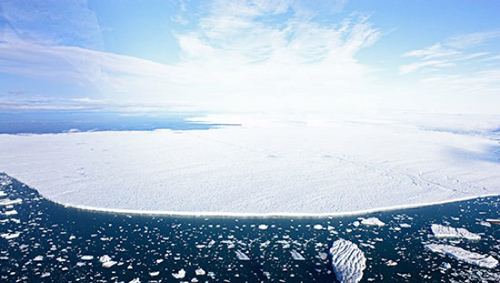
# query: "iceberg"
(441, 231)
(480, 260)
(348, 261)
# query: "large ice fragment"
(372, 221)
(480, 260)
(348, 261)
(441, 231)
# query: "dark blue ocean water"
(54, 241)
(43, 122)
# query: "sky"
(254, 55)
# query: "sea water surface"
(44, 122)
(62, 244)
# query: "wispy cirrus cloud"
(455, 50)
(238, 56)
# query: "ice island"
(265, 167)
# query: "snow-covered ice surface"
(348, 261)
(480, 260)
(266, 166)
(441, 231)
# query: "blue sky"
(285, 55)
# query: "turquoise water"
(54, 238)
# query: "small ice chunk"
(372, 221)
(485, 223)
(154, 273)
(480, 260)
(199, 272)
(391, 263)
(180, 274)
(135, 280)
(441, 231)
(109, 263)
(241, 255)
(104, 258)
(446, 266)
(5, 202)
(45, 275)
(318, 227)
(296, 255)
(355, 223)
(87, 257)
(263, 227)
(404, 225)
(38, 258)
(10, 212)
(348, 261)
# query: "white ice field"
(266, 166)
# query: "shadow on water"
(60, 244)
(488, 154)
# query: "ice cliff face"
(348, 261)
(480, 260)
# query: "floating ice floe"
(10, 212)
(318, 227)
(154, 273)
(296, 255)
(372, 221)
(10, 201)
(180, 274)
(404, 225)
(135, 280)
(348, 261)
(241, 255)
(441, 231)
(263, 227)
(87, 257)
(493, 221)
(119, 162)
(199, 272)
(485, 223)
(9, 236)
(109, 264)
(480, 260)
(104, 258)
(38, 258)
